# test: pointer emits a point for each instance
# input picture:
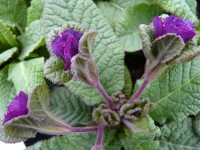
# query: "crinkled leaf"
(31, 39)
(54, 70)
(7, 38)
(107, 52)
(109, 7)
(176, 92)
(187, 54)
(167, 47)
(6, 55)
(35, 11)
(128, 28)
(8, 139)
(196, 124)
(126, 3)
(180, 8)
(150, 145)
(193, 5)
(144, 130)
(26, 74)
(69, 107)
(179, 135)
(13, 13)
(77, 141)
(147, 36)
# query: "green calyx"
(136, 110)
(105, 116)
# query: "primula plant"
(100, 75)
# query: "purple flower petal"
(65, 45)
(173, 24)
(158, 26)
(18, 107)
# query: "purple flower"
(18, 107)
(172, 24)
(65, 45)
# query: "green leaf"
(193, 5)
(35, 11)
(126, 3)
(77, 141)
(26, 74)
(54, 70)
(6, 36)
(128, 28)
(108, 54)
(176, 92)
(142, 130)
(109, 7)
(7, 92)
(150, 145)
(6, 55)
(70, 108)
(31, 39)
(196, 124)
(128, 87)
(166, 47)
(179, 135)
(13, 13)
(180, 8)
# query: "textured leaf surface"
(31, 39)
(6, 36)
(167, 47)
(107, 52)
(54, 70)
(179, 135)
(35, 11)
(176, 92)
(150, 145)
(128, 28)
(142, 130)
(180, 8)
(77, 141)
(13, 13)
(26, 74)
(70, 108)
(4, 56)
(8, 139)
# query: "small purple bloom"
(65, 45)
(18, 107)
(173, 24)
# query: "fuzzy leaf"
(31, 39)
(179, 135)
(150, 145)
(69, 107)
(180, 8)
(127, 30)
(6, 55)
(167, 47)
(13, 13)
(144, 130)
(77, 141)
(26, 74)
(196, 124)
(6, 36)
(39, 119)
(126, 3)
(176, 92)
(35, 11)
(107, 52)
(54, 70)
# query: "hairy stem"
(100, 134)
(131, 126)
(139, 91)
(105, 96)
(84, 129)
